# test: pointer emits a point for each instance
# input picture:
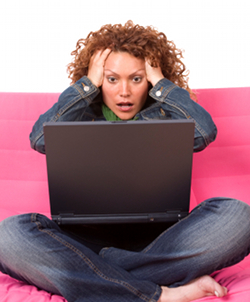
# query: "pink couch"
(223, 169)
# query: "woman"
(127, 72)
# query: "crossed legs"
(215, 235)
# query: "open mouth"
(125, 104)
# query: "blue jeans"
(34, 249)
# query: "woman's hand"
(96, 66)
(154, 74)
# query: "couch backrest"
(23, 178)
(223, 169)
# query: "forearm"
(178, 104)
(71, 106)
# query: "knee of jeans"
(236, 205)
(228, 205)
(236, 212)
(228, 210)
(242, 213)
(12, 230)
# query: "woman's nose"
(125, 89)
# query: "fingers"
(100, 56)
(154, 74)
(96, 66)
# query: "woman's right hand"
(96, 66)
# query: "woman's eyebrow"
(111, 71)
(129, 75)
(137, 71)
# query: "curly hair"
(141, 42)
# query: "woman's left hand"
(154, 74)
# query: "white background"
(37, 38)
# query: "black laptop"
(119, 172)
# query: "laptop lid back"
(118, 172)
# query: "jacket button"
(158, 93)
(86, 88)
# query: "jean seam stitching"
(153, 297)
(91, 265)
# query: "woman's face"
(125, 85)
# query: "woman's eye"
(111, 79)
(137, 79)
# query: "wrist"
(155, 80)
(93, 81)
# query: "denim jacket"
(82, 102)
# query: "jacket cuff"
(86, 88)
(161, 89)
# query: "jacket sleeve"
(71, 106)
(176, 102)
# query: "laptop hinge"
(169, 215)
(58, 218)
(179, 213)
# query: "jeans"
(216, 234)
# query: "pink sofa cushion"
(23, 178)
(223, 169)
(12, 290)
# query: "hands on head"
(97, 63)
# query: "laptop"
(119, 172)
